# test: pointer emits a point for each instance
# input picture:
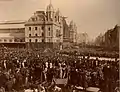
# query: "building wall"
(42, 28)
(33, 33)
(12, 35)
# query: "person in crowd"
(22, 68)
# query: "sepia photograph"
(59, 45)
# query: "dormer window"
(33, 19)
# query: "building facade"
(43, 29)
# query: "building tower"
(73, 32)
(50, 12)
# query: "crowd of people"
(22, 69)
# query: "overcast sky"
(91, 16)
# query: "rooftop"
(6, 25)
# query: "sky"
(91, 16)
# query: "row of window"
(36, 40)
(10, 40)
(49, 34)
(36, 34)
(36, 28)
(5, 40)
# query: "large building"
(12, 33)
(43, 29)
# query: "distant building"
(112, 37)
(109, 40)
(66, 31)
(73, 32)
(82, 38)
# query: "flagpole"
(50, 1)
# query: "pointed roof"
(58, 12)
(50, 8)
(71, 23)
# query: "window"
(42, 40)
(5, 40)
(10, 40)
(29, 40)
(21, 40)
(29, 35)
(42, 27)
(36, 40)
(49, 40)
(35, 28)
(42, 34)
(33, 19)
(57, 33)
(58, 18)
(49, 28)
(36, 35)
(49, 33)
(15, 40)
(29, 28)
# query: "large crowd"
(21, 69)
